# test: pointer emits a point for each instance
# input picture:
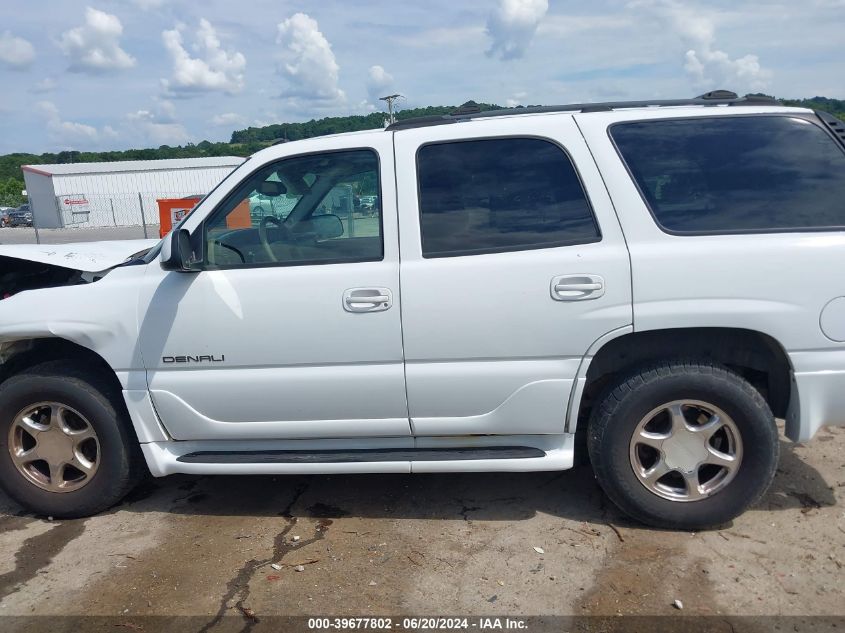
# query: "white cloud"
(146, 5)
(45, 85)
(231, 119)
(512, 26)
(516, 99)
(308, 63)
(707, 66)
(157, 126)
(165, 111)
(71, 134)
(213, 69)
(379, 83)
(713, 68)
(573, 26)
(439, 38)
(95, 46)
(15, 52)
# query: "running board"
(466, 453)
(361, 455)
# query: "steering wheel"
(262, 234)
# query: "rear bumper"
(818, 393)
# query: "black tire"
(625, 403)
(100, 402)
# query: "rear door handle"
(367, 299)
(577, 287)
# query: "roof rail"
(469, 110)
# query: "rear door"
(513, 264)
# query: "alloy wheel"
(54, 447)
(686, 450)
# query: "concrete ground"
(467, 544)
(26, 235)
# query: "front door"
(513, 265)
(292, 328)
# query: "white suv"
(650, 284)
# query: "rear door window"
(498, 195)
(736, 174)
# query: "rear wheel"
(66, 447)
(684, 445)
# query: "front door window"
(313, 209)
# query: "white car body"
(472, 351)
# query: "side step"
(361, 455)
(440, 454)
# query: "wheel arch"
(756, 356)
(20, 354)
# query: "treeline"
(10, 164)
(252, 139)
(336, 125)
(11, 176)
(834, 106)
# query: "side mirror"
(176, 252)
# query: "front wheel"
(683, 445)
(66, 446)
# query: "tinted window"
(500, 195)
(318, 208)
(736, 174)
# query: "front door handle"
(577, 287)
(367, 299)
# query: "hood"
(83, 256)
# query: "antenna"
(390, 99)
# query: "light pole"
(390, 99)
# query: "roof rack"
(470, 110)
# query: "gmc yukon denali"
(645, 285)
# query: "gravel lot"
(25, 235)
(427, 544)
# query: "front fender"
(100, 316)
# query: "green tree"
(10, 193)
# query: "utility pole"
(390, 99)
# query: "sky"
(119, 74)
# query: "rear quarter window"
(736, 174)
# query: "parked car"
(22, 216)
(646, 285)
(261, 205)
(368, 203)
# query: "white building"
(119, 193)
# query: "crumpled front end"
(35, 266)
(18, 275)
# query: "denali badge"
(193, 359)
